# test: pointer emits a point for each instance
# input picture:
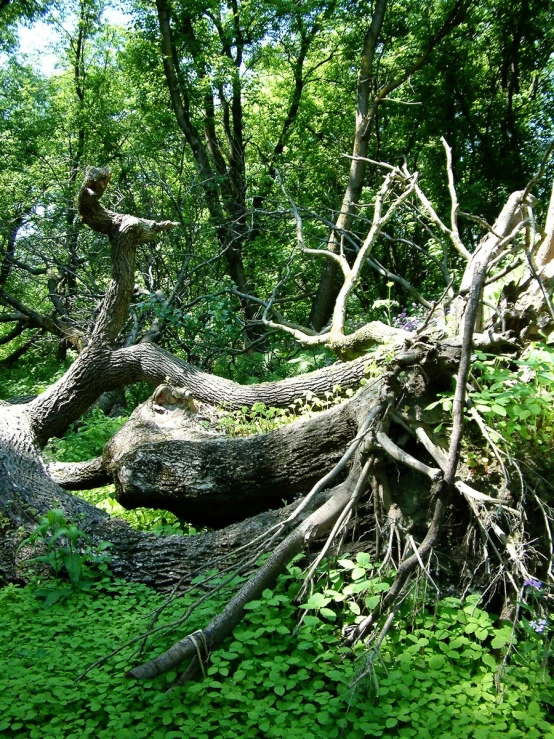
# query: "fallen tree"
(377, 451)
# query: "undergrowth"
(260, 419)
(155, 520)
(514, 397)
(441, 671)
(64, 557)
(84, 439)
(446, 670)
(31, 375)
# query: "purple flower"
(532, 583)
(539, 626)
(408, 323)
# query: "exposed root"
(365, 451)
(339, 524)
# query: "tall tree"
(208, 101)
(373, 88)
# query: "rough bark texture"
(149, 363)
(167, 460)
(27, 492)
(79, 475)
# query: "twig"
(460, 248)
(399, 455)
(388, 554)
(540, 171)
(424, 569)
(539, 502)
(384, 165)
(455, 233)
(484, 430)
(506, 271)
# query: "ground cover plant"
(447, 668)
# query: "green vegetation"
(85, 439)
(515, 397)
(259, 419)
(30, 376)
(65, 552)
(157, 521)
(440, 673)
(512, 400)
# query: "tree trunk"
(163, 458)
(27, 492)
(367, 105)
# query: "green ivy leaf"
(372, 601)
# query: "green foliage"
(355, 585)
(437, 677)
(274, 364)
(84, 439)
(387, 303)
(259, 419)
(451, 662)
(486, 87)
(68, 555)
(516, 397)
(31, 376)
(157, 521)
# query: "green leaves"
(316, 601)
(69, 555)
(84, 440)
(516, 398)
(436, 676)
(259, 419)
(436, 661)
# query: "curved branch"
(318, 523)
(79, 475)
(14, 333)
(150, 363)
(399, 455)
(126, 233)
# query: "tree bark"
(27, 492)
(165, 456)
(165, 461)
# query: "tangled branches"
(388, 434)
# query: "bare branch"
(455, 234)
(460, 248)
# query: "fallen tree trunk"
(27, 493)
(381, 443)
(160, 461)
